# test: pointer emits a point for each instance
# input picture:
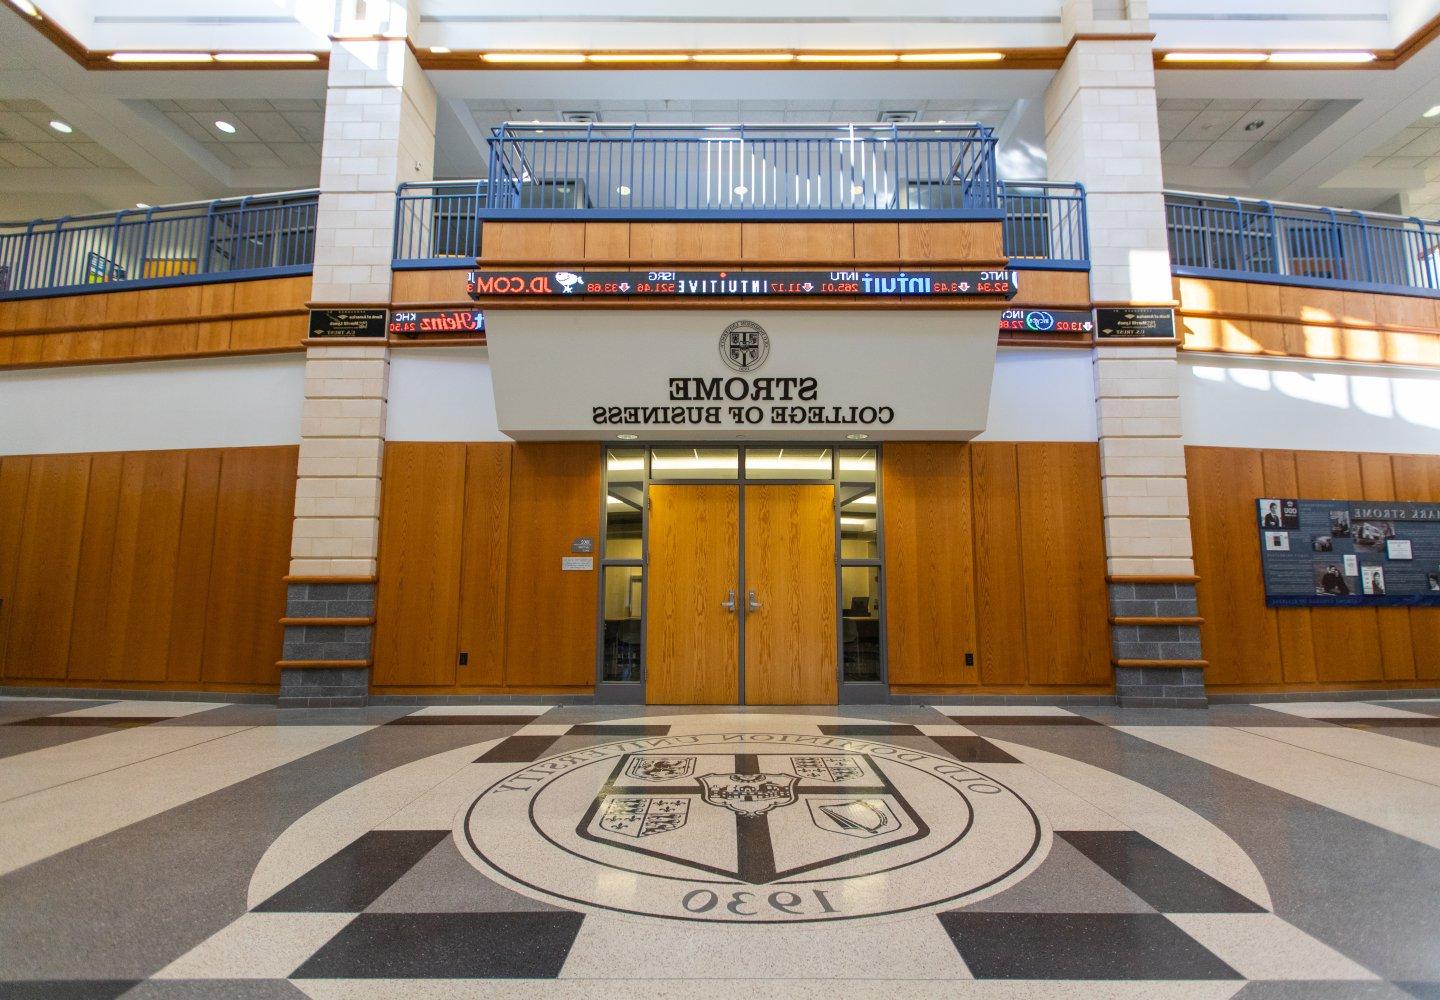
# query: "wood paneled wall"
(1240, 317)
(222, 317)
(146, 568)
(471, 538)
(1252, 647)
(995, 549)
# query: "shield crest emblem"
(643, 816)
(660, 768)
(744, 345)
(748, 794)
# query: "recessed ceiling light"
(857, 436)
(1204, 57)
(623, 190)
(288, 57)
(857, 189)
(141, 204)
(225, 127)
(741, 190)
(627, 437)
(1252, 126)
(440, 50)
(1322, 57)
(61, 127)
(27, 8)
(1432, 112)
(161, 57)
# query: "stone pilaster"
(1102, 130)
(379, 132)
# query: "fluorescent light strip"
(533, 57)
(950, 57)
(638, 57)
(744, 57)
(161, 57)
(248, 57)
(1322, 57)
(1220, 57)
(848, 57)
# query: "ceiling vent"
(898, 117)
(581, 117)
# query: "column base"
(1160, 687)
(324, 687)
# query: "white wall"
(204, 403)
(441, 394)
(1285, 403)
(1042, 395)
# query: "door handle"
(752, 605)
(729, 603)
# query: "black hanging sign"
(1134, 322)
(347, 323)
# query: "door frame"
(847, 692)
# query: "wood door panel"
(483, 565)
(692, 643)
(790, 642)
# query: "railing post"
(24, 268)
(144, 239)
(1335, 248)
(1366, 246)
(1084, 223)
(1427, 256)
(55, 252)
(1272, 226)
(207, 245)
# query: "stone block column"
(1102, 130)
(379, 132)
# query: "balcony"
(1216, 237)
(745, 172)
(224, 240)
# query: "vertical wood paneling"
(417, 605)
(143, 566)
(554, 499)
(251, 555)
(53, 525)
(929, 592)
(14, 485)
(1417, 477)
(484, 563)
(1002, 628)
(189, 605)
(1240, 636)
(1062, 551)
(89, 631)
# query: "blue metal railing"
(1044, 223)
(1301, 244)
(752, 170)
(170, 244)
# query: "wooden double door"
(740, 602)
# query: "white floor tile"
(483, 710)
(1264, 946)
(144, 709)
(1342, 710)
(258, 946)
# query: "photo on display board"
(1322, 543)
(1352, 565)
(1331, 581)
(1340, 523)
(1398, 549)
(1432, 582)
(1279, 513)
(1370, 536)
(1372, 581)
(1277, 541)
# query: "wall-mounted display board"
(1349, 553)
(1135, 323)
(1046, 321)
(456, 322)
(347, 323)
(759, 284)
